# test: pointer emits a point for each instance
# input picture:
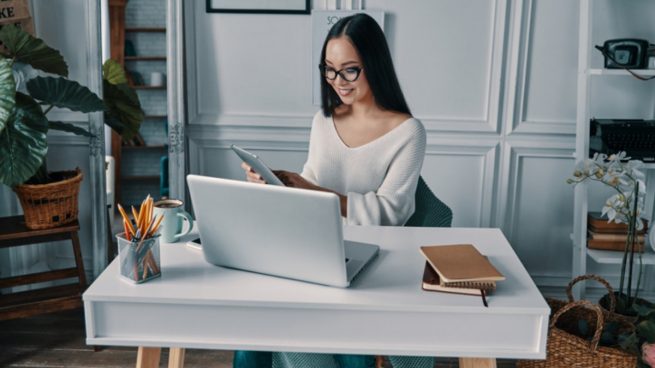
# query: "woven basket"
(565, 350)
(50, 205)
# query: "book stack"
(459, 269)
(605, 235)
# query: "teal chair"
(429, 210)
(163, 177)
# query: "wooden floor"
(58, 340)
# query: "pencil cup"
(139, 260)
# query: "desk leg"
(148, 357)
(176, 358)
(477, 363)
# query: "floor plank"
(58, 340)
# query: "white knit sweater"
(379, 177)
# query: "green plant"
(641, 341)
(625, 206)
(33, 75)
(635, 341)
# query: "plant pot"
(50, 205)
(621, 312)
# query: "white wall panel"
(451, 81)
(539, 216)
(444, 55)
(250, 64)
(215, 158)
(545, 82)
(462, 176)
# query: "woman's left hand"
(292, 179)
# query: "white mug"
(171, 228)
(157, 79)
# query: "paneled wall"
(494, 82)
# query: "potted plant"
(32, 76)
(638, 340)
(624, 206)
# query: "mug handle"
(186, 216)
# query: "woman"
(364, 146)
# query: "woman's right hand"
(251, 175)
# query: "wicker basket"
(565, 350)
(50, 205)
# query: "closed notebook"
(459, 263)
(616, 245)
(613, 236)
(431, 282)
(601, 224)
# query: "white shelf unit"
(592, 83)
(621, 72)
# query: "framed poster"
(258, 6)
(322, 21)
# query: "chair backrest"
(163, 176)
(429, 211)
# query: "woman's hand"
(292, 179)
(251, 175)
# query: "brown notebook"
(460, 263)
(613, 236)
(431, 282)
(599, 224)
(616, 245)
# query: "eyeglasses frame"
(322, 68)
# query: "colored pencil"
(126, 219)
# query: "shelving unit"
(145, 58)
(620, 72)
(138, 166)
(609, 257)
(145, 29)
(595, 99)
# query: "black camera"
(630, 53)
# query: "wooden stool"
(45, 300)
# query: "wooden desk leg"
(176, 358)
(148, 357)
(477, 363)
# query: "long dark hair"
(371, 45)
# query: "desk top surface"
(392, 282)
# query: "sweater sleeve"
(392, 204)
(309, 170)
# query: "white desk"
(384, 312)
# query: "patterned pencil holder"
(139, 260)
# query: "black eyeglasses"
(349, 74)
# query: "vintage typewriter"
(634, 136)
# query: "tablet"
(257, 165)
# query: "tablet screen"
(257, 165)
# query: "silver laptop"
(275, 230)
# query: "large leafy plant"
(33, 76)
